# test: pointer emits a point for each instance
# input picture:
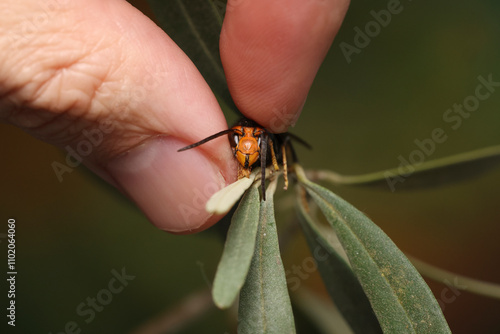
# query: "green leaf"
(195, 27)
(238, 250)
(264, 301)
(399, 296)
(340, 281)
(429, 173)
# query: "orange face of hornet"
(245, 138)
(246, 144)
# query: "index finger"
(271, 51)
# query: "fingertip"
(171, 188)
(271, 52)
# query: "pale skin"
(67, 66)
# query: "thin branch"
(183, 314)
(455, 280)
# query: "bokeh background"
(360, 116)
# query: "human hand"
(100, 78)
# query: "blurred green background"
(359, 117)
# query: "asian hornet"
(252, 143)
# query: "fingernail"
(170, 187)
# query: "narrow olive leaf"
(264, 301)
(427, 174)
(223, 200)
(399, 296)
(238, 250)
(195, 27)
(341, 283)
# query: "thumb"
(110, 87)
